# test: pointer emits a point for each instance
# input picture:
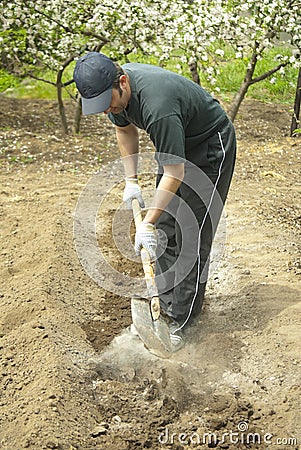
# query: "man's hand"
(132, 190)
(146, 238)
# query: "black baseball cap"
(94, 75)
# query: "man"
(195, 151)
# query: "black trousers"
(187, 227)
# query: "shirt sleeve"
(168, 137)
(118, 119)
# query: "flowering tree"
(257, 27)
(249, 28)
(38, 34)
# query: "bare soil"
(72, 376)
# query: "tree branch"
(269, 73)
(39, 79)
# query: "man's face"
(120, 98)
(117, 104)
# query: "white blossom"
(51, 31)
(219, 52)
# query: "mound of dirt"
(72, 375)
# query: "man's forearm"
(128, 143)
(168, 186)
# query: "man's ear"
(123, 81)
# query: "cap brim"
(97, 104)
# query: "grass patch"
(278, 88)
(7, 80)
(36, 89)
(30, 88)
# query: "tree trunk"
(194, 72)
(59, 86)
(238, 99)
(77, 116)
(244, 85)
(295, 124)
(60, 101)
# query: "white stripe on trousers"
(200, 231)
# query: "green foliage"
(281, 90)
(32, 88)
(14, 36)
(7, 80)
(229, 77)
(279, 87)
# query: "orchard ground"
(72, 376)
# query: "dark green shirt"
(177, 113)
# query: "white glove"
(146, 237)
(132, 190)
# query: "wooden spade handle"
(146, 263)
